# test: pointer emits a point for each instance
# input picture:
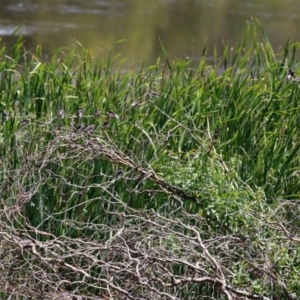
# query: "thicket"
(173, 181)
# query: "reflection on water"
(183, 26)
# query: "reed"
(225, 135)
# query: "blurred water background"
(134, 28)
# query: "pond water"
(137, 28)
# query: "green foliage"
(218, 142)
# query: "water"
(183, 27)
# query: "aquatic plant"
(172, 181)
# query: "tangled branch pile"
(87, 241)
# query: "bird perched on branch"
(119, 174)
(79, 127)
(292, 76)
(5, 115)
(90, 129)
(105, 124)
(135, 103)
(61, 113)
(112, 114)
(151, 93)
(97, 113)
(79, 113)
(24, 122)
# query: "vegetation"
(173, 181)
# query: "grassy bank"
(104, 169)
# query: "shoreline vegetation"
(173, 181)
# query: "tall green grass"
(215, 132)
(241, 108)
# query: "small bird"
(241, 237)
(112, 114)
(106, 124)
(119, 174)
(79, 113)
(90, 129)
(291, 76)
(134, 104)
(5, 115)
(153, 94)
(79, 127)
(97, 113)
(61, 113)
(24, 122)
